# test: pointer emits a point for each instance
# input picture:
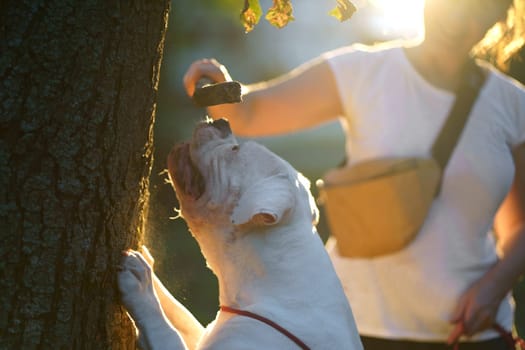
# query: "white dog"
(254, 219)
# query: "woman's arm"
(511, 215)
(478, 306)
(305, 97)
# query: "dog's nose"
(223, 125)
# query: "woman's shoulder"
(508, 95)
(502, 80)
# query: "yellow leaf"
(250, 14)
(343, 11)
(280, 14)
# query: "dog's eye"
(235, 148)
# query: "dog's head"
(222, 184)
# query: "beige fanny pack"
(377, 207)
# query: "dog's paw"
(135, 282)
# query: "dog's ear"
(265, 202)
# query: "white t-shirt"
(392, 111)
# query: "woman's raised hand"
(207, 67)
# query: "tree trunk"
(77, 101)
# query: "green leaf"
(343, 11)
(250, 14)
(280, 14)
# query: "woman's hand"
(477, 308)
(208, 67)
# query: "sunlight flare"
(401, 16)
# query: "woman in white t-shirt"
(449, 284)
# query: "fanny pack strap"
(471, 82)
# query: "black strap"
(472, 80)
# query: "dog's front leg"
(139, 297)
(180, 317)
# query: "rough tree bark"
(78, 84)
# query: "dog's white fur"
(255, 224)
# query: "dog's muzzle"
(184, 175)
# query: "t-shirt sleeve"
(514, 101)
(345, 64)
(520, 116)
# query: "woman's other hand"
(477, 308)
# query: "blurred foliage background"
(211, 28)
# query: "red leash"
(268, 322)
(507, 336)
